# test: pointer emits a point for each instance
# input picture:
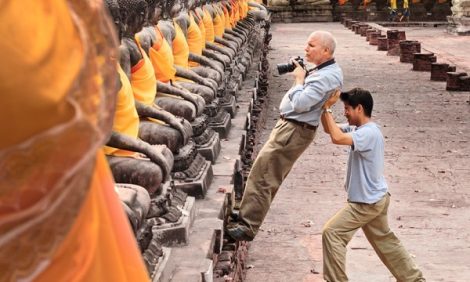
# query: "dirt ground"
(427, 166)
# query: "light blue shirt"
(304, 102)
(365, 181)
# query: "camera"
(289, 67)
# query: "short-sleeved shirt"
(365, 181)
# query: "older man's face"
(315, 52)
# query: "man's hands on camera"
(299, 73)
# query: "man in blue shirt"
(368, 197)
(300, 112)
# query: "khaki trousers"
(372, 218)
(285, 145)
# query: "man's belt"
(299, 123)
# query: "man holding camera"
(300, 112)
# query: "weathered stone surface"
(407, 50)
(439, 71)
(301, 12)
(454, 82)
(394, 37)
(382, 43)
(423, 61)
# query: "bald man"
(300, 112)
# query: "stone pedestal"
(363, 29)
(439, 71)
(407, 50)
(458, 81)
(382, 43)
(394, 37)
(423, 61)
(374, 38)
(369, 32)
(454, 81)
(459, 22)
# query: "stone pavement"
(427, 164)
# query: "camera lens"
(285, 68)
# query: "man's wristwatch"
(328, 110)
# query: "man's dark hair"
(358, 96)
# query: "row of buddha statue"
(177, 62)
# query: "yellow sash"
(143, 81)
(209, 25)
(228, 18)
(126, 119)
(162, 59)
(180, 48)
(218, 26)
(195, 41)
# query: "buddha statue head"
(114, 11)
(171, 8)
(226, 4)
(134, 15)
(155, 9)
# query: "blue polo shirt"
(304, 102)
(365, 182)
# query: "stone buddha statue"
(173, 34)
(199, 63)
(131, 159)
(139, 168)
(157, 125)
(221, 22)
(158, 50)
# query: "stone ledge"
(177, 234)
(164, 267)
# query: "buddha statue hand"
(143, 150)
(196, 100)
(182, 125)
(178, 123)
(156, 155)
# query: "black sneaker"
(240, 233)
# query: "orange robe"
(180, 47)
(126, 119)
(245, 8)
(201, 26)
(228, 18)
(59, 215)
(195, 39)
(209, 26)
(143, 81)
(162, 59)
(219, 26)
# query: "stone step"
(197, 187)
(177, 233)
(194, 262)
(222, 127)
(211, 150)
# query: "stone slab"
(177, 233)
(212, 150)
(165, 267)
(198, 187)
(222, 127)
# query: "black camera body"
(289, 67)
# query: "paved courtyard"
(427, 164)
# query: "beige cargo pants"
(274, 161)
(372, 218)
